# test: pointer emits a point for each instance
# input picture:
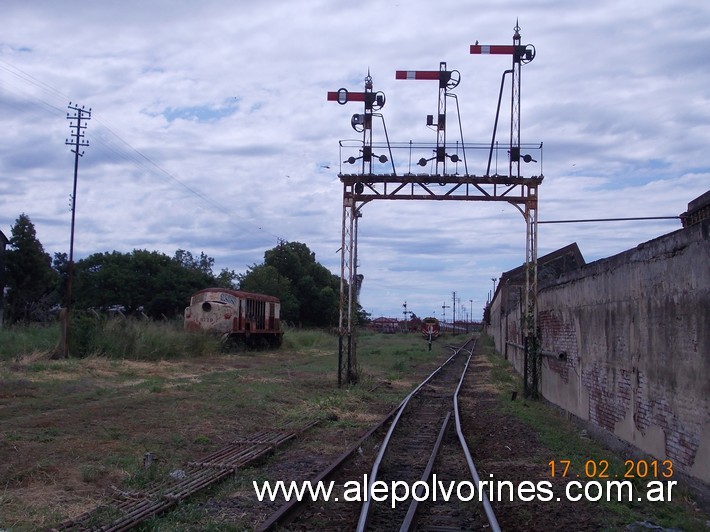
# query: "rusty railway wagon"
(238, 317)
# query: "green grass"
(117, 338)
(190, 405)
(566, 441)
(20, 341)
(305, 339)
(395, 354)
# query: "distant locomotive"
(430, 328)
(236, 316)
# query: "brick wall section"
(559, 337)
(609, 396)
(634, 328)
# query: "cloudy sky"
(210, 130)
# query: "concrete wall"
(636, 332)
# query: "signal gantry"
(370, 185)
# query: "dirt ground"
(71, 432)
(503, 447)
(509, 449)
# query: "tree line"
(156, 284)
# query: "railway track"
(129, 509)
(407, 457)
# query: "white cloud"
(210, 128)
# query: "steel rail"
(289, 508)
(286, 510)
(472, 468)
(412, 511)
(366, 507)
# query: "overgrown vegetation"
(89, 421)
(569, 441)
(23, 340)
(93, 334)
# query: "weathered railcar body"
(430, 328)
(236, 316)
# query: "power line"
(128, 153)
(610, 219)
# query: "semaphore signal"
(520, 54)
(362, 123)
(507, 187)
(448, 80)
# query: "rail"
(406, 158)
(436, 396)
(490, 515)
(409, 518)
(367, 506)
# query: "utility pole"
(470, 316)
(453, 294)
(77, 142)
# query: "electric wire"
(634, 218)
(115, 146)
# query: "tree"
(147, 281)
(307, 290)
(225, 279)
(264, 279)
(31, 281)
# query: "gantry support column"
(347, 344)
(532, 356)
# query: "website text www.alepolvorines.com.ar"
(437, 490)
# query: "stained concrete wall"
(636, 332)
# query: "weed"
(178, 441)
(19, 341)
(202, 440)
(399, 366)
(113, 433)
(46, 435)
(563, 439)
(307, 339)
(91, 473)
(103, 515)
